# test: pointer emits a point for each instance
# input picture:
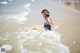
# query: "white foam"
(27, 5)
(41, 41)
(4, 2)
(18, 17)
(7, 47)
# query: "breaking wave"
(41, 42)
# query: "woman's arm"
(37, 27)
(51, 24)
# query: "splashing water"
(40, 42)
(34, 41)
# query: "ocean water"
(33, 41)
(18, 16)
(16, 37)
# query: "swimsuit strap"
(46, 20)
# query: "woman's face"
(45, 14)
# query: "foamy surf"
(34, 41)
(5, 48)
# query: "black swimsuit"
(46, 25)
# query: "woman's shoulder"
(49, 19)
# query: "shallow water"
(33, 41)
(16, 16)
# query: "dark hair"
(44, 11)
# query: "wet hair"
(43, 11)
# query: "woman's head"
(45, 13)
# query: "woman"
(48, 25)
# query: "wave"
(41, 42)
(33, 41)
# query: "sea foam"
(34, 41)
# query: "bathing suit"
(46, 25)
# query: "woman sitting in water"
(48, 25)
